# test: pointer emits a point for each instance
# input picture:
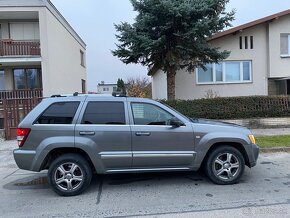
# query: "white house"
(39, 50)
(259, 63)
(106, 88)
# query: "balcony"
(21, 94)
(19, 48)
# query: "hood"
(216, 123)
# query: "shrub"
(234, 107)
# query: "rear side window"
(59, 113)
(105, 113)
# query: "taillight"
(22, 134)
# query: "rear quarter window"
(59, 113)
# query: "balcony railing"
(19, 48)
(21, 94)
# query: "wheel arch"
(57, 152)
(236, 145)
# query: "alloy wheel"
(68, 176)
(226, 166)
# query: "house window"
(219, 72)
(114, 89)
(232, 71)
(82, 58)
(105, 89)
(225, 72)
(252, 42)
(205, 75)
(285, 44)
(83, 86)
(24, 31)
(2, 80)
(27, 79)
(246, 40)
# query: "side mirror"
(174, 122)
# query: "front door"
(155, 143)
(105, 135)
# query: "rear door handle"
(142, 133)
(87, 133)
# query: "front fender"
(208, 140)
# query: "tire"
(69, 175)
(225, 165)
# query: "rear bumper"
(255, 155)
(24, 158)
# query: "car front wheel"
(225, 165)
(69, 175)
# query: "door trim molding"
(150, 169)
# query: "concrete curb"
(275, 150)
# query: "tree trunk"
(171, 84)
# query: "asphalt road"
(263, 192)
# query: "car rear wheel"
(225, 165)
(69, 175)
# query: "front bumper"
(24, 158)
(255, 155)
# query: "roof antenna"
(75, 94)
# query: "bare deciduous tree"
(139, 87)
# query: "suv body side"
(129, 146)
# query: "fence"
(14, 111)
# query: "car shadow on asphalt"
(40, 180)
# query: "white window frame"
(224, 74)
(289, 45)
(288, 54)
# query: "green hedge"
(234, 107)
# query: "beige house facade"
(259, 64)
(39, 50)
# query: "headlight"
(252, 139)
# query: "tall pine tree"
(121, 88)
(172, 34)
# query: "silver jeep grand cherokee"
(76, 136)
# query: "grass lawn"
(273, 141)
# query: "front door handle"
(142, 133)
(87, 133)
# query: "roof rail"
(56, 96)
(119, 94)
(59, 96)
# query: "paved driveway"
(264, 191)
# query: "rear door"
(103, 129)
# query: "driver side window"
(149, 114)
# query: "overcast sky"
(94, 21)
